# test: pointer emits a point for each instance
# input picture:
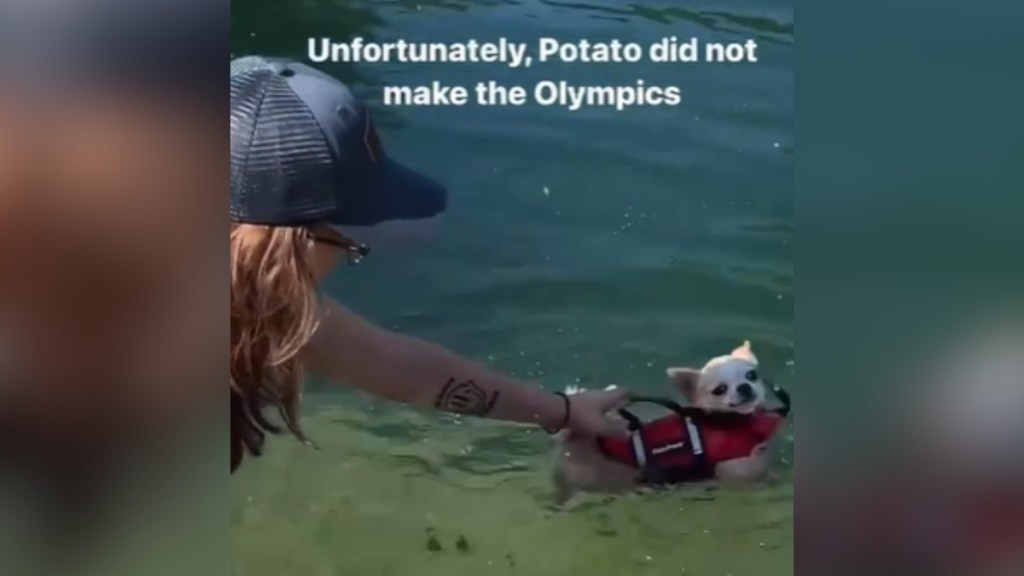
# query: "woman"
(306, 161)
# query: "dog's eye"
(720, 390)
(752, 376)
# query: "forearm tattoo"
(466, 398)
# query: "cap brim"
(397, 193)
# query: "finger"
(613, 428)
(613, 399)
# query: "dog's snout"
(745, 390)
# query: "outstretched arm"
(351, 351)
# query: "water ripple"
(766, 29)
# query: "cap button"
(283, 69)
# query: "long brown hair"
(274, 313)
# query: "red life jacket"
(686, 445)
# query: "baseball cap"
(305, 151)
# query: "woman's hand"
(588, 412)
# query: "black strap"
(784, 399)
(635, 423)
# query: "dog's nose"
(745, 390)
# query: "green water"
(665, 237)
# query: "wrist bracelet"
(565, 419)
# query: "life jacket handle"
(635, 423)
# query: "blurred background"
(113, 162)
(584, 248)
(910, 287)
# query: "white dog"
(722, 435)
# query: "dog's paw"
(611, 387)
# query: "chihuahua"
(722, 435)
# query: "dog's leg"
(744, 471)
(563, 489)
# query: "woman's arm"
(349, 350)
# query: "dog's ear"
(744, 352)
(685, 379)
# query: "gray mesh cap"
(304, 151)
